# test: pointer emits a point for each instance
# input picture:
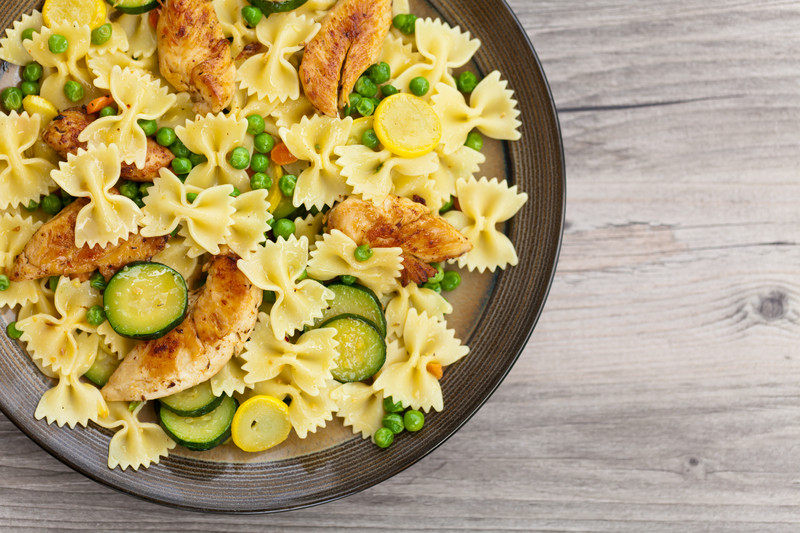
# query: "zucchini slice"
(196, 401)
(271, 6)
(104, 365)
(362, 349)
(134, 7)
(355, 300)
(199, 433)
(145, 300)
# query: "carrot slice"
(99, 103)
(281, 155)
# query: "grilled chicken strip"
(62, 135)
(194, 55)
(223, 313)
(424, 237)
(349, 41)
(52, 251)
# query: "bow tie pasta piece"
(215, 137)
(102, 66)
(315, 9)
(335, 256)
(444, 47)
(229, 13)
(308, 361)
(290, 112)
(72, 401)
(206, 221)
(135, 444)
(307, 412)
(276, 267)
(463, 163)
(11, 47)
(244, 105)
(414, 297)
(141, 36)
(360, 406)
(231, 379)
(398, 54)
(179, 114)
(484, 204)
(405, 375)
(492, 109)
(270, 74)
(22, 179)
(107, 217)
(371, 173)
(176, 256)
(52, 339)
(15, 232)
(309, 227)
(314, 140)
(139, 96)
(117, 43)
(250, 222)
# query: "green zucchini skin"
(193, 402)
(355, 300)
(268, 7)
(104, 365)
(131, 314)
(203, 432)
(362, 349)
(133, 7)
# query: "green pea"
(380, 73)
(474, 141)
(96, 315)
(383, 438)
(255, 124)
(413, 420)
(57, 44)
(129, 189)
(365, 107)
(191, 197)
(406, 23)
(347, 279)
(181, 165)
(235, 192)
(139, 202)
(29, 87)
(66, 198)
(355, 98)
(393, 422)
(239, 158)
(366, 87)
(259, 162)
(439, 273)
(27, 34)
(144, 189)
(32, 205)
(287, 184)
(283, 227)
(269, 297)
(303, 275)
(260, 180)
(370, 139)
(179, 149)
(148, 126)
(12, 331)
(11, 98)
(390, 406)
(419, 86)
(166, 136)
(108, 111)
(32, 72)
(52, 282)
(4, 282)
(251, 15)
(174, 232)
(101, 34)
(436, 287)
(348, 111)
(51, 204)
(451, 280)
(448, 205)
(73, 91)
(467, 81)
(389, 90)
(197, 159)
(97, 281)
(264, 143)
(363, 253)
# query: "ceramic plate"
(494, 316)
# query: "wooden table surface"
(661, 388)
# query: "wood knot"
(773, 306)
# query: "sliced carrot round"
(407, 125)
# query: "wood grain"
(661, 389)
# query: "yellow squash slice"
(260, 423)
(407, 126)
(36, 105)
(91, 12)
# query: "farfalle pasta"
(421, 299)
(231, 379)
(307, 412)
(214, 136)
(103, 65)
(135, 444)
(229, 13)
(140, 35)
(22, 179)
(250, 221)
(15, 231)
(11, 46)
(359, 406)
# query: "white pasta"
(231, 379)
(176, 256)
(135, 444)
(118, 42)
(309, 227)
(141, 36)
(22, 178)
(15, 231)
(11, 47)
(360, 406)
(420, 299)
(229, 13)
(250, 222)
(215, 136)
(101, 66)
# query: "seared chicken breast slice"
(349, 41)
(62, 135)
(194, 55)
(425, 237)
(222, 316)
(51, 251)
